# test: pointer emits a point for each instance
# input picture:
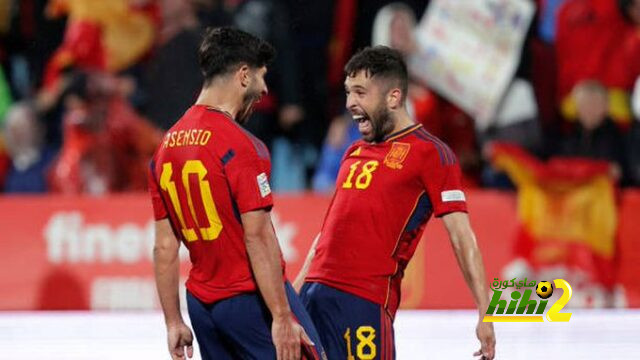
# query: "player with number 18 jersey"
(385, 194)
(389, 185)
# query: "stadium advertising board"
(96, 253)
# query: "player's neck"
(401, 121)
(221, 98)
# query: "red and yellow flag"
(102, 35)
(567, 211)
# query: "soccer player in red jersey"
(209, 187)
(389, 184)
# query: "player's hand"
(287, 336)
(487, 338)
(178, 337)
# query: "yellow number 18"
(363, 180)
(192, 167)
(366, 348)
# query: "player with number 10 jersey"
(208, 171)
(209, 185)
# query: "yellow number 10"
(364, 179)
(192, 167)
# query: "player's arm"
(166, 265)
(470, 261)
(302, 274)
(264, 256)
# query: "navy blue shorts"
(240, 327)
(350, 327)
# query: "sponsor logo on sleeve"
(263, 185)
(452, 195)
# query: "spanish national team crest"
(396, 155)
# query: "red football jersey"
(208, 171)
(385, 194)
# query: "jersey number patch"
(363, 180)
(192, 167)
(366, 348)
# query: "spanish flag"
(567, 211)
(102, 35)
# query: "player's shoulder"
(354, 148)
(429, 145)
(234, 136)
(356, 144)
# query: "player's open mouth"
(364, 123)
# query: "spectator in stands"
(30, 158)
(32, 37)
(107, 145)
(342, 132)
(278, 117)
(172, 78)
(598, 39)
(547, 18)
(516, 122)
(629, 66)
(102, 35)
(538, 63)
(394, 26)
(633, 139)
(5, 96)
(595, 135)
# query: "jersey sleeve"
(442, 179)
(246, 165)
(159, 209)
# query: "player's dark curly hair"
(223, 49)
(382, 62)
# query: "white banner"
(469, 51)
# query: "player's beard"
(250, 98)
(381, 123)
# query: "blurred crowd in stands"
(87, 87)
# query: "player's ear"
(394, 98)
(244, 75)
